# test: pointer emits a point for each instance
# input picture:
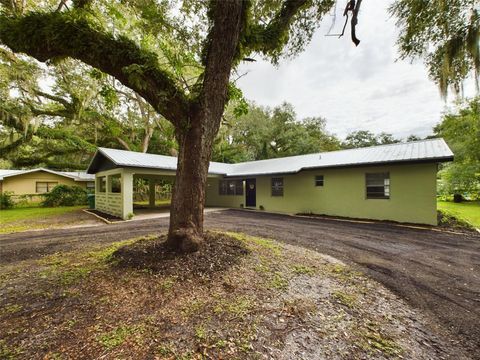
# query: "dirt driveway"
(436, 272)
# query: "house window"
(230, 187)
(378, 185)
(102, 184)
(115, 184)
(45, 187)
(277, 186)
(319, 180)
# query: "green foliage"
(461, 130)
(265, 133)
(6, 201)
(117, 336)
(364, 138)
(445, 33)
(466, 211)
(64, 195)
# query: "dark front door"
(251, 193)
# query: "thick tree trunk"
(196, 135)
(188, 198)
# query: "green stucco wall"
(412, 194)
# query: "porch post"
(151, 192)
(127, 194)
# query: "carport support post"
(151, 193)
(127, 194)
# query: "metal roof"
(431, 150)
(76, 175)
(123, 158)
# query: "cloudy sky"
(353, 88)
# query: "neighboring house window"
(91, 186)
(115, 184)
(319, 180)
(102, 184)
(277, 186)
(378, 185)
(230, 187)
(45, 187)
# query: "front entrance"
(251, 193)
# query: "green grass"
(19, 219)
(467, 210)
(11, 215)
(157, 202)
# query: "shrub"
(64, 195)
(6, 201)
(457, 198)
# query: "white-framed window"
(377, 185)
(277, 186)
(42, 187)
(319, 180)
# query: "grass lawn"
(20, 219)
(468, 210)
(157, 202)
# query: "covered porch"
(134, 192)
(128, 192)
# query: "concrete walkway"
(164, 212)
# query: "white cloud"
(354, 88)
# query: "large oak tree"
(179, 55)
(223, 33)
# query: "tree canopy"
(460, 127)
(264, 133)
(446, 34)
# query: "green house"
(394, 182)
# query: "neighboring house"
(389, 182)
(35, 182)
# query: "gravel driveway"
(438, 273)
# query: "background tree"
(264, 133)
(61, 125)
(461, 130)
(364, 138)
(446, 34)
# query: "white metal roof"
(434, 150)
(123, 158)
(77, 175)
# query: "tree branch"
(49, 36)
(270, 37)
(59, 99)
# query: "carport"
(119, 175)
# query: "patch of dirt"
(240, 297)
(219, 252)
(445, 222)
(111, 218)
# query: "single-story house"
(389, 182)
(34, 182)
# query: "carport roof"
(431, 150)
